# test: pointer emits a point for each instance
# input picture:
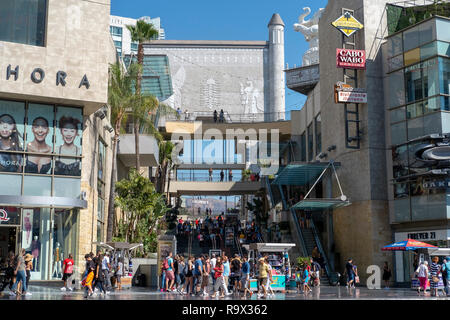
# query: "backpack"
(165, 264)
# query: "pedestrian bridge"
(196, 188)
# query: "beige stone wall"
(77, 42)
(94, 130)
(359, 232)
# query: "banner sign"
(344, 93)
(347, 24)
(350, 59)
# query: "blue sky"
(227, 20)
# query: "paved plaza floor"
(43, 292)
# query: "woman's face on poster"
(69, 133)
(6, 127)
(40, 130)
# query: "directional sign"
(347, 24)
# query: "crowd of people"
(215, 276)
(210, 232)
(439, 273)
(99, 272)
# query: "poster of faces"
(39, 137)
(68, 141)
(12, 116)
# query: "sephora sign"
(350, 59)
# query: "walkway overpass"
(196, 188)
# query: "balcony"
(196, 188)
(302, 79)
(148, 148)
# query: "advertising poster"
(12, 116)
(27, 229)
(68, 141)
(39, 134)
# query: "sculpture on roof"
(310, 29)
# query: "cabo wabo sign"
(344, 93)
(350, 59)
(38, 75)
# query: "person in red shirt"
(68, 271)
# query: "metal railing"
(321, 251)
(204, 177)
(299, 231)
(229, 117)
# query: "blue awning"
(320, 204)
(301, 173)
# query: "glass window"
(36, 241)
(397, 114)
(11, 162)
(445, 122)
(10, 217)
(413, 85)
(395, 45)
(398, 133)
(445, 104)
(310, 143)
(37, 186)
(432, 123)
(12, 119)
(444, 75)
(303, 147)
(11, 184)
(421, 80)
(426, 31)
(101, 160)
(431, 105)
(23, 21)
(318, 125)
(118, 44)
(412, 57)
(67, 187)
(443, 30)
(443, 48)
(410, 39)
(134, 46)
(116, 31)
(428, 50)
(415, 128)
(65, 239)
(396, 89)
(414, 110)
(395, 62)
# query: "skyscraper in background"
(121, 36)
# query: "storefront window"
(65, 235)
(36, 240)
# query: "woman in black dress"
(386, 274)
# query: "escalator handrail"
(321, 251)
(299, 230)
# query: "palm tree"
(143, 31)
(165, 160)
(120, 96)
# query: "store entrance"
(8, 241)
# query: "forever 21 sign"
(38, 75)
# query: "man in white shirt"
(212, 262)
(106, 266)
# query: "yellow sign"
(347, 24)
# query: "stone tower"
(276, 106)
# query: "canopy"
(301, 173)
(320, 204)
(407, 245)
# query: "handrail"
(299, 231)
(321, 251)
(269, 189)
(230, 117)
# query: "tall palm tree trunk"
(138, 91)
(111, 211)
(137, 149)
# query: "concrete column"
(276, 106)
